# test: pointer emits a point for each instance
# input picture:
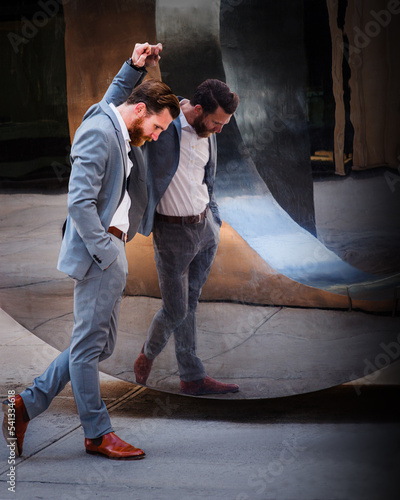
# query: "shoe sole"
(141, 382)
(139, 457)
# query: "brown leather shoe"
(111, 446)
(207, 386)
(15, 422)
(142, 368)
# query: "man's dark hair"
(157, 96)
(213, 93)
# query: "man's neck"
(124, 111)
(188, 110)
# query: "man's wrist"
(137, 68)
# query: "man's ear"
(140, 108)
(198, 109)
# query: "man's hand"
(145, 54)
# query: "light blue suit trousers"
(97, 299)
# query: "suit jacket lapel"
(177, 123)
(209, 170)
(138, 161)
(110, 113)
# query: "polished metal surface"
(271, 351)
(281, 313)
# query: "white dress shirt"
(187, 194)
(121, 218)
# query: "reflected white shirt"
(187, 194)
(121, 217)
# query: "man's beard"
(136, 134)
(199, 127)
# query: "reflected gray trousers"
(97, 299)
(184, 255)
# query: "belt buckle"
(194, 219)
(124, 237)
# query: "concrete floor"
(338, 444)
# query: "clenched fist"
(145, 54)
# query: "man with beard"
(103, 213)
(183, 215)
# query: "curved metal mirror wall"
(303, 293)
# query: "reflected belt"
(118, 233)
(189, 219)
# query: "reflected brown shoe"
(111, 446)
(142, 368)
(15, 422)
(207, 386)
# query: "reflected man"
(103, 213)
(183, 215)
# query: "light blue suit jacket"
(97, 185)
(162, 159)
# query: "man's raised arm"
(133, 72)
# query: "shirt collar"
(184, 123)
(121, 122)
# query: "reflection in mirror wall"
(305, 285)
